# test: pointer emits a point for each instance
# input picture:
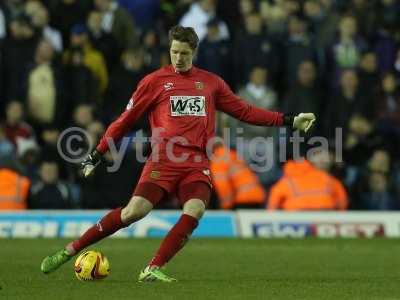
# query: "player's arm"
(236, 107)
(141, 100)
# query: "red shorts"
(186, 182)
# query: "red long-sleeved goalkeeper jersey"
(184, 105)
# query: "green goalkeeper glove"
(302, 121)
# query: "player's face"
(181, 56)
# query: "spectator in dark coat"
(213, 53)
(346, 103)
(254, 48)
(389, 13)
(360, 141)
(103, 41)
(39, 15)
(365, 14)
(92, 58)
(369, 74)
(374, 190)
(67, 13)
(155, 55)
(385, 49)
(81, 86)
(49, 192)
(124, 80)
(49, 151)
(323, 22)
(298, 47)
(345, 53)
(388, 104)
(143, 12)
(122, 26)
(18, 52)
(305, 94)
(388, 113)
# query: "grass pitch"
(213, 269)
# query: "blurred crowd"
(67, 63)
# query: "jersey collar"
(189, 72)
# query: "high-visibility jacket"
(14, 190)
(234, 182)
(304, 187)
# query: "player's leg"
(137, 208)
(145, 197)
(177, 237)
(195, 196)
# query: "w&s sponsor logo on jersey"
(188, 106)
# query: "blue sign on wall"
(71, 224)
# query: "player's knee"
(137, 208)
(194, 208)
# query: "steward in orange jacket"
(14, 189)
(304, 187)
(236, 185)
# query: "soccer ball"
(91, 265)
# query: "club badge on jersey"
(188, 106)
(199, 85)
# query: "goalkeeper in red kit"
(181, 101)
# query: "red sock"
(175, 240)
(109, 224)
